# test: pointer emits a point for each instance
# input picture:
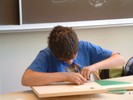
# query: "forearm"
(114, 61)
(32, 78)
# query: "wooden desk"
(29, 95)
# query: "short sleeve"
(97, 53)
(40, 62)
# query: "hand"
(86, 71)
(76, 78)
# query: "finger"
(78, 81)
(84, 80)
(88, 75)
(81, 79)
(84, 74)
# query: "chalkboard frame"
(75, 24)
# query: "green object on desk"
(110, 82)
(117, 91)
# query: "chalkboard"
(49, 11)
(9, 12)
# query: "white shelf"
(75, 25)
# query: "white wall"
(17, 50)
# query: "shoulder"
(88, 44)
(45, 53)
(91, 47)
(85, 44)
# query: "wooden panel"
(67, 89)
(47, 11)
(9, 12)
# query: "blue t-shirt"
(88, 54)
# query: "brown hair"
(63, 42)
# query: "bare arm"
(114, 61)
(33, 78)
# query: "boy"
(65, 50)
